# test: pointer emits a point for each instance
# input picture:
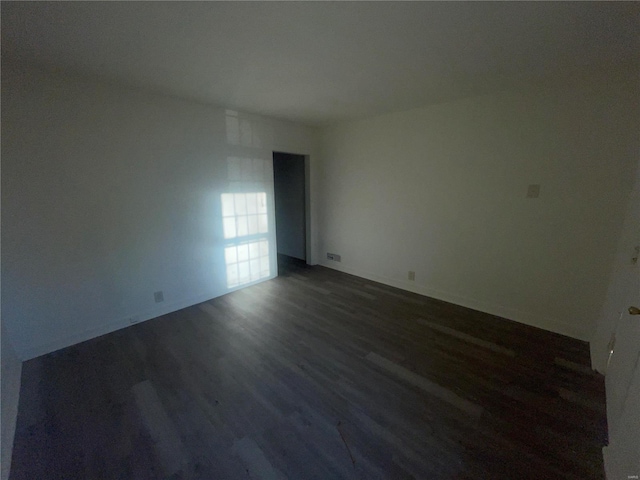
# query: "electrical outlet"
(158, 296)
(134, 319)
(334, 256)
(533, 191)
(412, 276)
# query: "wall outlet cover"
(334, 256)
(533, 191)
(158, 296)
(412, 276)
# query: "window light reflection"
(246, 225)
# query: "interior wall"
(111, 194)
(623, 279)
(11, 372)
(10, 381)
(289, 188)
(442, 191)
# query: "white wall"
(441, 191)
(11, 371)
(10, 380)
(623, 280)
(110, 194)
(289, 186)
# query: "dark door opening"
(290, 202)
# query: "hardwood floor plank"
(355, 291)
(163, 434)
(314, 374)
(257, 465)
(468, 338)
(426, 385)
(576, 367)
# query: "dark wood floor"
(314, 375)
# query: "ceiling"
(321, 62)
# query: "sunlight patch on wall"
(245, 220)
(247, 262)
(244, 214)
(242, 131)
(246, 225)
(243, 172)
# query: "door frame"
(614, 327)
(307, 202)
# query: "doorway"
(290, 189)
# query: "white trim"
(42, 349)
(527, 318)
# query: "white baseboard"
(527, 318)
(108, 327)
(546, 323)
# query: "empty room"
(320, 240)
